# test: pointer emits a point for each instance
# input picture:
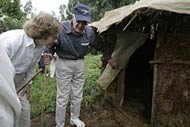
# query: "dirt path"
(102, 114)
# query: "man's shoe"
(77, 123)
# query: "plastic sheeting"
(116, 16)
(127, 43)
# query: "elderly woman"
(24, 48)
(10, 107)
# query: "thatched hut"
(147, 56)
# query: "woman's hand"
(47, 58)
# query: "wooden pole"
(43, 98)
(155, 71)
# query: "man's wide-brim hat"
(82, 13)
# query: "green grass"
(91, 92)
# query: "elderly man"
(24, 48)
(72, 46)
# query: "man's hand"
(47, 58)
(113, 63)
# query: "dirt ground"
(103, 114)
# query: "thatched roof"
(116, 16)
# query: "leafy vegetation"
(12, 14)
(10, 8)
(91, 92)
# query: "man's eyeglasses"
(82, 22)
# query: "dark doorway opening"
(139, 81)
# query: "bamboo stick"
(43, 98)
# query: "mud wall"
(171, 90)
